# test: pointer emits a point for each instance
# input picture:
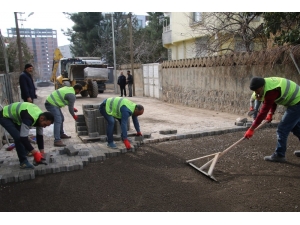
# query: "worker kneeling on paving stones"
(17, 119)
(273, 91)
(120, 109)
(54, 102)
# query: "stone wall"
(221, 88)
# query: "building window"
(201, 47)
(196, 17)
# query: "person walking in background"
(275, 91)
(28, 90)
(54, 102)
(120, 109)
(122, 84)
(129, 83)
(17, 119)
(254, 106)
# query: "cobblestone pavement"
(78, 154)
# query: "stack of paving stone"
(93, 124)
(243, 122)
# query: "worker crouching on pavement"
(17, 119)
(120, 109)
(54, 102)
(275, 91)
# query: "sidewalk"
(158, 116)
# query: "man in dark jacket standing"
(122, 84)
(27, 85)
(130, 83)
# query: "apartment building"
(42, 43)
(65, 51)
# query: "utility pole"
(19, 42)
(131, 52)
(114, 52)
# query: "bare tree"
(226, 32)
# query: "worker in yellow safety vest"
(275, 91)
(17, 119)
(121, 109)
(59, 98)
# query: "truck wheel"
(67, 83)
(84, 93)
(93, 89)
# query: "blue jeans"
(58, 121)
(14, 130)
(256, 107)
(110, 123)
(130, 90)
(290, 122)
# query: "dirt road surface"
(156, 178)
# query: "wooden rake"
(211, 163)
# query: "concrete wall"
(224, 89)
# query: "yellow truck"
(90, 72)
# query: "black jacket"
(122, 80)
(27, 86)
(129, 79)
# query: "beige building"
(192, 34)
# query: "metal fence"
(6, 89)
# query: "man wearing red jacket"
(273, 91)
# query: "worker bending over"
(17, 119)
(120, 109)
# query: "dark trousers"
(14, 130)
(123, 89)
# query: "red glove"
(269, 117)
(75, 117)
(37, 157)
(249, 133)
(139, 134)
(127, 144)
(251, 108)
(75, 110)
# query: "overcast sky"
(46, 15)
(43, 20)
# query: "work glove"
(269, 117)
(75, 110)
(251, 111)
(249, 133)
(139, 134)
(75, 117)
(251, 108)
(127, 144)
(37, 157)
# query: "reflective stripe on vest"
(60, 98)
(289, 90)
(13, 111)
(57, 97)
(113, 106)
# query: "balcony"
(167, 35)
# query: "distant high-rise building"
(65, 51)
(42, 43)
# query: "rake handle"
(231, 146)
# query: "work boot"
(26, 165)
(111, 145)
(59, 144)
(274, 158)
(64, 136)
(297, 153)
